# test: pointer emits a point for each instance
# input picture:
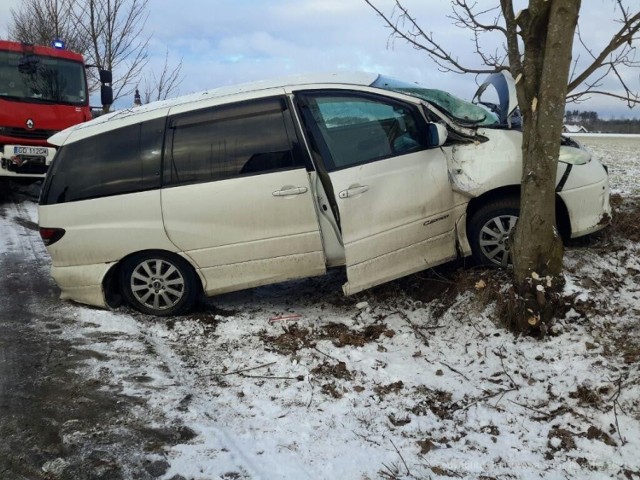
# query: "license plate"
(39, 151)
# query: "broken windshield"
(464, 112)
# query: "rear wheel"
(489, 231)
(159, 284)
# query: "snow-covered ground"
(415, 379)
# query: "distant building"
(137, 101)
(574, 129)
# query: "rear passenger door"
(391, 189)
(237, 197)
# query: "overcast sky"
(230, 41)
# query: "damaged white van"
(255, 184)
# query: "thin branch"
(625, 35)
(266, 377)
(224, 374)
(421, 40)
(632, 100)
(501, 357)
(488, 396)
(615, 410)
(455, 371)
(401, 457)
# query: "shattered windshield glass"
(464, 112)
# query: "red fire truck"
(42, 90)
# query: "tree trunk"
(547, 30)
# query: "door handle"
(353, 191)
(288, 191)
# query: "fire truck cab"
(42, 90)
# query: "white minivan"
(255, 184)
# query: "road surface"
(53, 422)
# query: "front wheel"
(489, 231)
(158, 284)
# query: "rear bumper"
(83, 283)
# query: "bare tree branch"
(115, 29)
(502, 20)
(624, 38)
(41, 21)
(421, 40)
(585, 95)
(165, 85)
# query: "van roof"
(230, 93)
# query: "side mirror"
(106, 95)
(105, 76)
(437, 135)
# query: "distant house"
(574, 129)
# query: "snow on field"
(621, 153)
(415, 379)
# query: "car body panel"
(484, 165)
(586, 195)
(82, 283)
(505, 88)
(119, 225)
(249, 227)
(402, 221)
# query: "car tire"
(159, 284)
(489, 230)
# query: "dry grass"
(626, 218)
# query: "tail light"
(51, 235)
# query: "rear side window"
(120, 161)
(231, 141)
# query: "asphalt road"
(53, 422)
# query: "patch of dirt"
(594, 433)
(587, 396)
(383, 390)
(437, 402)
(444, 472)
(439, 287)
(332, 390)
(341, 335)
(626, 218)
(290, 341)
(625, 343)
(337, 370)
(426, 446)
(398, 421)
(490, 430)
(559, 439)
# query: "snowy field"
(412, 380)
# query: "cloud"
(229, 41)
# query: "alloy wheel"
(157, 284)
(494, 239)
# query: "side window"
(354, 129)
(230, 141)
(125, 160)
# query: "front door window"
(358, 129)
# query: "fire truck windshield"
(40, 79)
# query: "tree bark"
(547, 30)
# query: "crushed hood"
(504, 86)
